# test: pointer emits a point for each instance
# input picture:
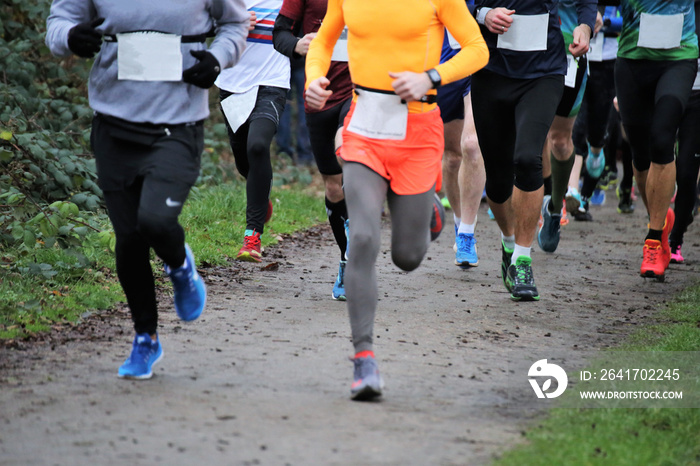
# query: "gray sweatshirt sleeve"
(63, 16)
(232, 20)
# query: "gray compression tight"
(365, 192)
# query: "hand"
(582, 37)
(253, 21)
(411, 86)
(498, 20)
(317, 94)
(204, 72)
(598, 23)
(302, 47)
(84, 40)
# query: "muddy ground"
(263, 376)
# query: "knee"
(528, 174)
(470, 147)
(363, 243)
(409, 258)
(154, 227)
(257, 149)
(562, 145)
(334, 188)
(452, 160)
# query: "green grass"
(214, 220)
(619, 436)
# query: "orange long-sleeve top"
(398, 35)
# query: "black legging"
(512, 118)
(687, 166)
(251, 151)
(652, 97)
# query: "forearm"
(232, 20)
(283, 38)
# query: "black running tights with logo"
(652, 96)
(687, 167)
(145, 186)
(512, 118)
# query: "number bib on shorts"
(379, 115)
(527, 33)
(660, 31)
(571, 71)
(595, 48)
(149, 56)
(238, 107)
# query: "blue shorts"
(450, 99)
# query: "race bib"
(340, 51)
(149, 56)
(660, 31)
(238, 107)
(453, 42)
(595, 48)
(527, 33)
(571, 71)
(379, 116)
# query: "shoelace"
(144, 351)
(465, 242)
(651, 253)
(252, 242)
(523, 274)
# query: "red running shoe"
(251, 251)
(654, 262)
(668, 225)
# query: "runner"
(559, 148)
(391, 149)
(253, 95)
(324, 124)
(654, 73)
(147, 135)
(515, 99)
(688, 165)
(462, 164)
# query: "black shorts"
(269, 103)
(570, 103)
(323, 127)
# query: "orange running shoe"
(654, 262)
(668, 225)
(564, 216)
(250, 252)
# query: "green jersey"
(658, 30)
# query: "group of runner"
(400, 96)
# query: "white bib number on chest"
(149, 56)
(340, 51)
(379, 116)
(660, 31)
(527, 33)
(238, 107)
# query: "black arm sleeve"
(283, 36)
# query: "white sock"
(458, 221)
(508, 241)
(466, 228)
(519, 251)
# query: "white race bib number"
(379, 116)
(660, 31)
(571, 71)
(340, 51)
(595, 48)
(149, 56)
(527, 33)
(238, 107)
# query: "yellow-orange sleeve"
(318, 59)
(474, 54)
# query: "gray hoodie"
(151, 101)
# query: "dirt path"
(263, 376)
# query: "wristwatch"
(434, 77)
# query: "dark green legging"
(365, 192)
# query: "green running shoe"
(521, 280)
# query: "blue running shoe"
(190, 292)
(598, 197)
(595, 164)
(347, 238)
(367, 383)
(339, 286)
(465, 256)
(549, 233)
(144, 354)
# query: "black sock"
(337, 214)
(548, 186)
(653, 234)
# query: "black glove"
(84, 40)
(204, 72)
